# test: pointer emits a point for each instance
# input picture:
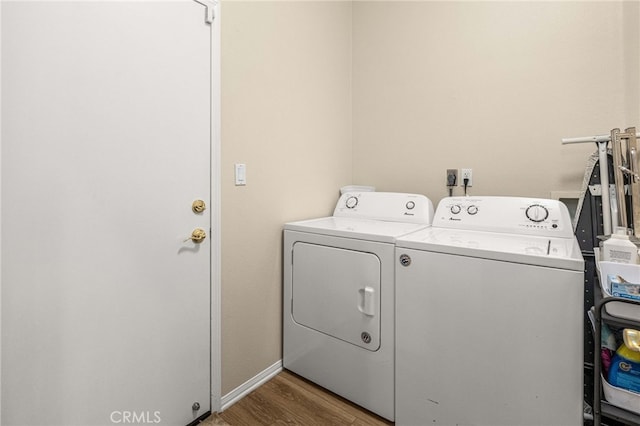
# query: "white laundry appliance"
(489, 316)
(338, 316)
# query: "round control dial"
(455, 209)
(351, 202)
(410, 205)
(472, 209)
(537, 213)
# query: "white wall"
(491, 86)
(317, 95)
(286, 114)
(631, 60)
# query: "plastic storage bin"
(630, 273)
(621, 397)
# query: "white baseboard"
(255, 382)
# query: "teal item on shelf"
(624, 371)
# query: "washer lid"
(561, 253)
(362, 229)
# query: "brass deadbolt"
(197, 236)
(198, 206)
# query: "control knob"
(351, 202)
(472, 209)
(455, 209)
(537, 213)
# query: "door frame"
(216, 200)
(213, 12)
(0, 216)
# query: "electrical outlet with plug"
(466, 177)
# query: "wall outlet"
(466, 174)
(452, 177)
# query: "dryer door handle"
(368, 306)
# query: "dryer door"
(337, 292)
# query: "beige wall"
(491, 86)
(631, 37)
(286, 114)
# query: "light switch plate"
(241, 174)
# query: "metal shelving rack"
(605, 206)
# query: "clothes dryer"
(489, 324)
(338, 316)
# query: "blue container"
(624, 372)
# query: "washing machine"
(489, 316)
(338, 316)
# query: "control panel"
(386, 206)
(511, 215)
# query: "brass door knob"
(198, 206)
(197, 236)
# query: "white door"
(106, 138)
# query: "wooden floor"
(288, 399)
